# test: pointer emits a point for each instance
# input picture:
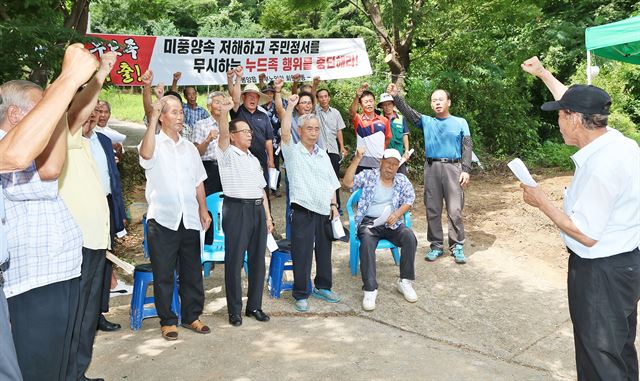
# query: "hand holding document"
(338, 230)
(115, 136)
(272, 245)
(383, 217)
(273, 178)
(408, 155)
(522, 173)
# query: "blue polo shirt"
(443, 137)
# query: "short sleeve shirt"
(398, 130)
(240, 173)
(173, 173)
(330, 123)
(371, 134)
(201, 131)
(262, 131)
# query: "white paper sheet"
(272, 245)
(273, 178)
(336, 226)
(115, 136)
(409, 155)
(383, 217)
(522, 173)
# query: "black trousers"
(42, 326)
(108, 266)
(335, 163)
(84, 330)
(212, 184)
(401, 236)
(245, 229)
(603, 303)
(169, 251)
(307, 228)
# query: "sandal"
(197, 326)
(169, 332)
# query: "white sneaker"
(405, 287)
(369, 300)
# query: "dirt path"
(503, 315)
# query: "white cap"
(385, 97)
(391, 153)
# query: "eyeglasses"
(246, 131)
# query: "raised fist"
(159, 90)
(107, 61)
(293, 100)
(230, 73)
(362, 88)
(296, 77)
(226, 105)
(177, 75)
(147, 77)
(78, 64)
(316, 80)
(278, 83)
(239, 70)
(359, 153)
(533, 66)
(392, 89)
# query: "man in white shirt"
(600, 225)
(205, 137)
(177, 212)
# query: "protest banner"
(205, 61)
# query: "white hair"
(13, 93)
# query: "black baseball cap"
(585, 99)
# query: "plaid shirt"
(191, 116)
(44, 241)
(201, 131)
(368, 180)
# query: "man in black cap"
(600, 225)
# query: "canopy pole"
(588, 67)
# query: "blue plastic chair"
(214, 252)
(354, 242)
(278, 265)
(142, 278)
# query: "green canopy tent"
(617, 41)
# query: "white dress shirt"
(603, 200)
(173, 173)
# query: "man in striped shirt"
(246, 217)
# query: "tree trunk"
(78, 18)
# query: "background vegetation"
(473, 48)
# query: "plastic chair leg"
(137, 304)
(276, 269)
(396, 256)
(207, 267)
(354, 257)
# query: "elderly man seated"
(383, 190)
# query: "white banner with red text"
(205, 61)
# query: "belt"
(442, 160)
(252, 201)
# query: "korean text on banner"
(205, 61)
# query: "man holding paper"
(312, 184)
(385, 192)
(600, 224)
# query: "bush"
(131, 175)
(551, 154)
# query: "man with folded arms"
(313, 202)
(383, 188)
(246, 217)
(177, 212)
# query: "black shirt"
(262, 131)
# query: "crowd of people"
(62, 205)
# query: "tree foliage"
(473, 48)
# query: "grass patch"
(128, 106)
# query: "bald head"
(440, 103)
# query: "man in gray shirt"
(331, 126)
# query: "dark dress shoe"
(235, 320)
(258, 314)
(107, 326)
